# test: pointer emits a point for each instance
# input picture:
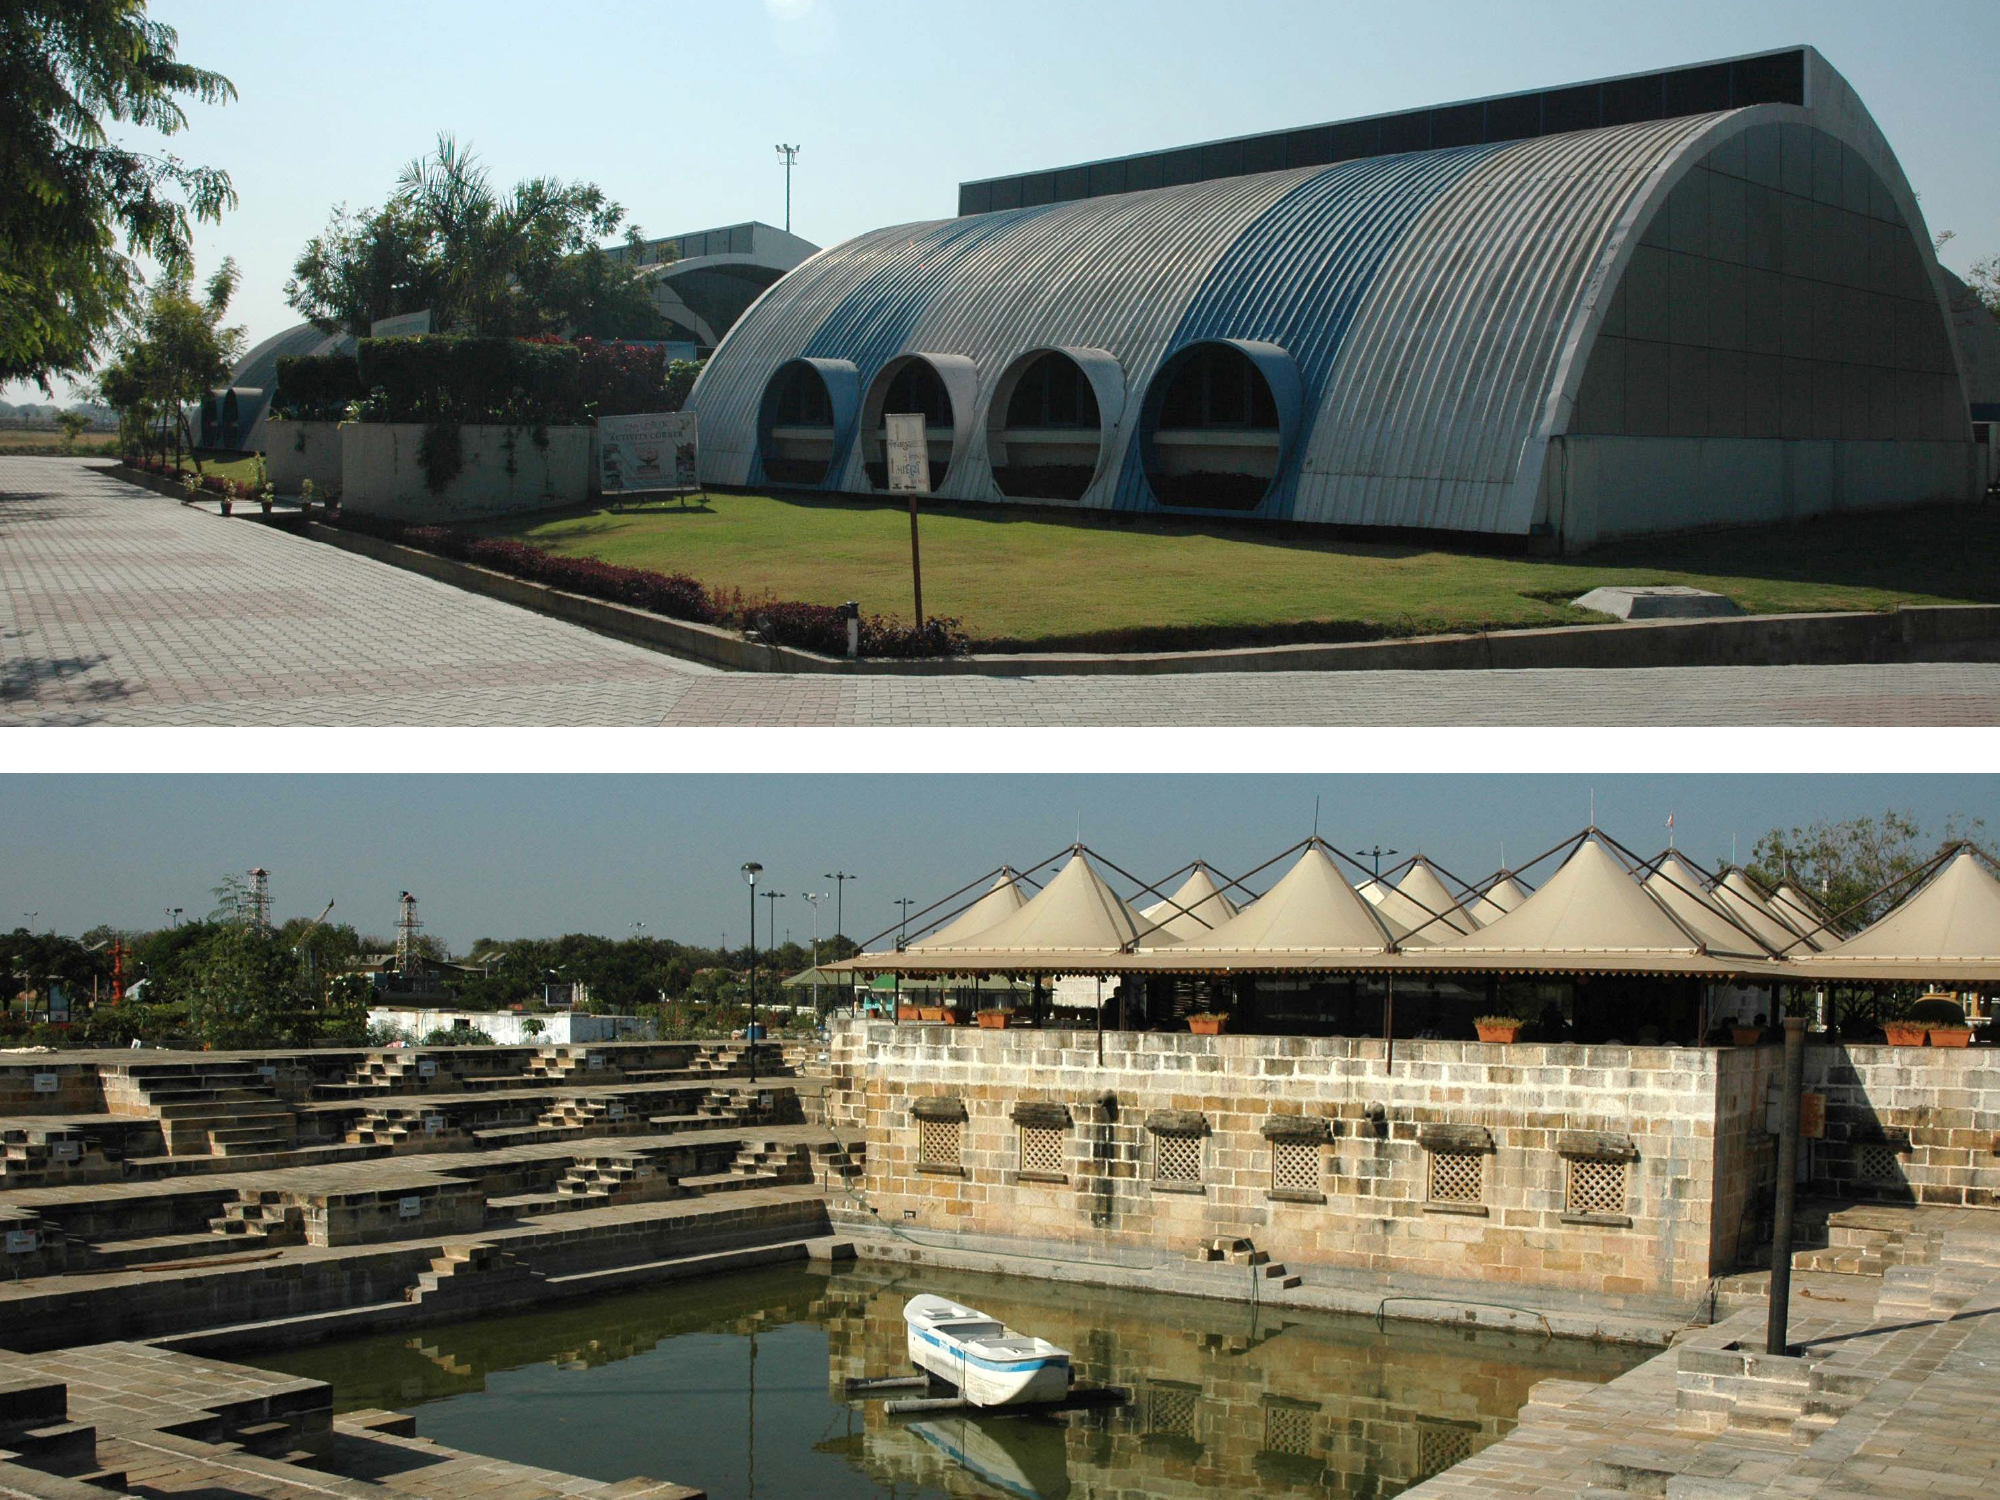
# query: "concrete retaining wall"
(504, 470)
(1907, 1124)
(298, 451)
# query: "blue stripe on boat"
(957, 1351)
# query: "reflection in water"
(737, 1384)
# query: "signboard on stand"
(649, 453)
(908, 459)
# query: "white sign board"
(594, 1060)
(21, 1241)
(47, 1083)
(433, 1124)
(409, 1208)
(268, 1072)
(65, 1150)
(427, 1067)
(403, 325)
(615, 1112)
(909, 453)
(648, 453)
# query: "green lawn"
(31, 442)
(1018, 578)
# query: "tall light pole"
(789, 155)
(840, 879)
(173, 916)
(771, 930)
(903, 923)
(751, 870)
(815, 897)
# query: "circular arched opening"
(1210, 435)
(909, 384)
(795, 433)
(1044, 432)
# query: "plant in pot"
(1904, 1033)
(1501, 1029)
(1950, 1036)
(1746, 1034)
(266, 495)
(995, 1019)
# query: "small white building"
(509, 1028)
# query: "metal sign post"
(909, 464)
(649, 453)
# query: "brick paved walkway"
(118, 606)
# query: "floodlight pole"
(789, 155)
(840, 879)
(751, 870)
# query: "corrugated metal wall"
(1435, 304)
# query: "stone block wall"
(47, 1085)
(1907, 1124)
(1592, 1169)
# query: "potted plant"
(1746, 1036)
(1208, 1023)
(995, 1019)
(265, 496)
(1502, 1029)
(1950, 1036)
(1904, 1033)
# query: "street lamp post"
(815, 897)
(840, 879)
(1376, 854)
(751, 870)
(771, 928)
(903, 923)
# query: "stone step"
(1762, 1417)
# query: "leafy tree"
(1846, 865)
(170, 356)
(484, 263)
(77, 208)
(71, 425)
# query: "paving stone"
(120, 606)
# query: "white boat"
(989, 1363)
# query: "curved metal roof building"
(1692, 297)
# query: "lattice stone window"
(1171, 1407)
(1177, 1157)
(1440, 1446)
(1457, 1177)
(1295, 1166)
(938, 1142)
(1596, 1187)
(1877, 1161)
(1042, 1150)
(1288, 1427)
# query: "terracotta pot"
(993, 1020)
(1494, 1032)
(1904, 1033)
(908, 1013)
(1951, 1036)
(1747, 1036)
(1208, 1025)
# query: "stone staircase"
(398, 1070)
(1782, 1397)
(773, 1164)
(411, 1127)
(476, 1278)
(48, 1156)
(260, 1218)
(1241, 1252)
(36, 1433)
(572, 1064)
(216, 1109)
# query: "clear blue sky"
(526, 855)
(674, 109)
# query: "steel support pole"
(1777, 1339)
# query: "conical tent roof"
(1421, 884)
(1678, 887)
(1949, 929)
(1076, 912)
(1806, 914)
(1590, 913)
(1735, 894)
(1499, 898)
(1311, 910)
(1372, 891)
(1002, 901)
(1197, 909)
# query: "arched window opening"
(913, 386)
(1047, 447)
(1213, 443)
(798, 427)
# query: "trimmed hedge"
(439, 378)
(317, 387)
(809, 627)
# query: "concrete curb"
(1910, 633)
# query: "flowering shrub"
(809, 627)
(208, 483)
